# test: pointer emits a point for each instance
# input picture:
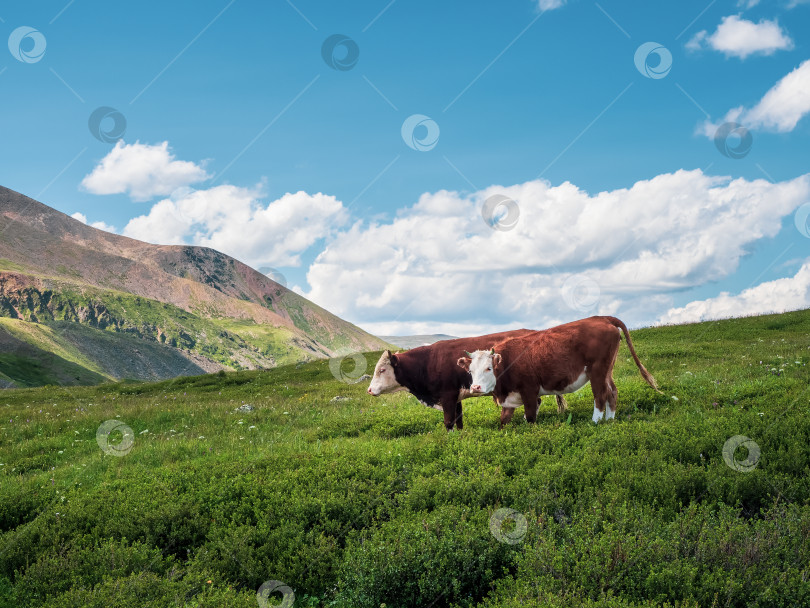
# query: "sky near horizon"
(421, 167)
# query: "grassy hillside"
(355, 502)
(55, 268)
(65, 353)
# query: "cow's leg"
(506, 415)
(612, 398)
(452, 412)
(459, 416)
(601, 390)
(529, 398)
(611, 392)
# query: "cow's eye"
(489, 369)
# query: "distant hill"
(414, 341)
(163, 310)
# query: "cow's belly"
(434, 406)
(512, 401)
(577, 384)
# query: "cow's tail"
(644, 373)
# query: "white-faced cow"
(553, 362)
(431, 375)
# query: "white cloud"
(787, 102)
(790, 293)
(100, 225)
(737, 37)
(746, 4)
(438, 265)
(233, 220)
(142, 171)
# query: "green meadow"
(321, 495)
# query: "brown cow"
(554, 361)
(431, 375)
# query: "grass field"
(333, 498)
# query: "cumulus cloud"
(738, 37)
(235, 221)
(100, 225)
(790, 293)
(571, 254)
(780, 109)
(142, 171)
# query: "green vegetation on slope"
(354, 502)
(231, 343)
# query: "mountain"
(111, 307)
(414, 341)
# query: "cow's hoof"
(597, 415)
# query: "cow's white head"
(384, 380)
(481, 365)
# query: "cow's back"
(439, 360)
(550, 354)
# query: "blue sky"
(521, 92)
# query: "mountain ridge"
(55, 269)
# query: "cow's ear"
(496, 358)
(393, 360)
(464, 363)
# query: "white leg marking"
(609, 413)
(597, 415)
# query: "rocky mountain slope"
(185, 305)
